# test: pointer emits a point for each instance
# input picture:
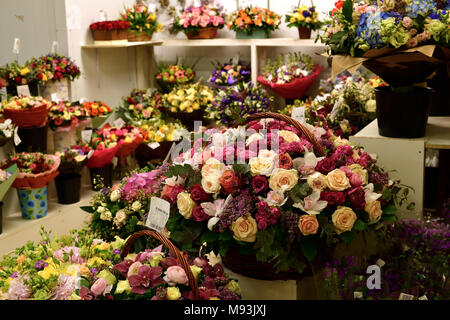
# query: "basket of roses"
(27, 112)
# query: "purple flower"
(14, 275)
(116, 251)
(146, 278)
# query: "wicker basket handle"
(173, 249)
(264, 115)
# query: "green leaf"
(300, 191)
(87, 209)
(411, 206)
(242, 168)
(390, 209)
(386, 194)
(347, 236)
(360, 225)
(309, 249)
(347, 10)
(389, 217)
(224, 248)
(209, 237)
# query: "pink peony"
(99, 286)
(176, 274)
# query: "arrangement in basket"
(116, 30)
(290, 76)
(27, 112)
(281, 208)
(305, 19)
(234, 104)
(253, 22)
(6, 130)
(143, 23)
(66, 115)
(380, 36)
(199, 22)
(168, 76)
(140, 106)
(98, 112)
(229, 74)
(13, 75)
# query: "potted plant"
(199, 22)
(305, 19)
(36, 171)
(68, 182)
(116, 31)
(142, 22)
(253, 22)
(141, 105)
(169, 76)
(291, 75)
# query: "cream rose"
(288, 136)
(359, 170)
(283, 180)
(211, 184)
(308, 224)
(120, 218)
(373, 208)
(115, 195)
(263, 164)
(212, 167)
(185, 204)
(343, 219)
(317, 181)
(245, 229)
(337, 180)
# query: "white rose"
(263, 164)
(185, 204)
(283, 180)
(120, 218)
(136, 206)
(212, 167)
(371, 106)
(106, 215)
(211, 184)
(115, 195)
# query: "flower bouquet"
(6, 130)
(142, 23)
(98, 111)
(229, 74)
(169, 76)
(292, 78)
(188, 103)
(305, 19)
(403, 42)
(141, 106)
(236, 103)
(13, 75)
(68, 182)
(27, 112)
(116, 30)
(253, 22)
(56, 266)
(7, 178)
(269, 213)
(199, 22)
(54, 72)
(36, 170)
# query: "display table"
(406, 156)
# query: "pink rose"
(98, 287)
(407, 22)
(204, 21)
(200, 262)
(356, 180)
(194, 22)
(217, 21)
(176, 274)
(186, 23)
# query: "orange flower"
(94, 112)
(269, 21)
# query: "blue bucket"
(33, 203)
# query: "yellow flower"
(44, 77)
(214, 298)
(173, 293)
(147, 26)
(131, 107)
(96, 261)
(196, 271)
(123, 286)
(128, 139)
(24, 71)
(113, 137)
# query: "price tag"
(55, 97)
(119, 123)
(158, 214)
(23, 91)
(16, 47)
(298, 113)
(54, 47)
(357, 295)
(17, 139)
(380, 263)
(86, 135)
(3, 94)
(424, 297)
(89, 155)
(405, 296)
(154, 145)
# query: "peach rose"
(288, 136)
(211, 184)
(343, 219)
(308, 224)
(283, 180)
(373, 208)
(185, 204)
(337, 180)
(317, 181)
(212, 167)
(245, 229)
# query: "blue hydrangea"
(420, 8)
(368, 28)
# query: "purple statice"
(227, 294)
(15, 274)
(379, 178)
(65, 287)
(40, 265)
(116, 251)
(93, 271)
(236, 208)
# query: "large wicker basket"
(247, 264)
(203, 33)
(173, 249)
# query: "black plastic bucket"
(403, 112)
(32, 139)
(105, 173)
(68, 187)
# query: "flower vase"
(144, 153)
(60, 87)
(304, 33)
(33, 203)
(203, 33)
(64, 138)
(403, 112)
(32, 139)
(103, 174)
(255, 34)
(68, 187)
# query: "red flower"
(325, 165)
(259, 184)
(198, 194)
(356, 197)
(199, 214)
(285, 161)
(333, 198)
(146, 278)
(229, 181)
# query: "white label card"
(23, 91)
(89, 155)
(405, 296)
(3, 94)
(86, 135)
(380, 263)
(17, 139)
(16, 47)
(298, 113)
(54, 47)
(55, 97)
(424, 297)
(154, 145)
(158, 214)
(119, 123)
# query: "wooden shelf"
(225, 42)
(122, 45)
